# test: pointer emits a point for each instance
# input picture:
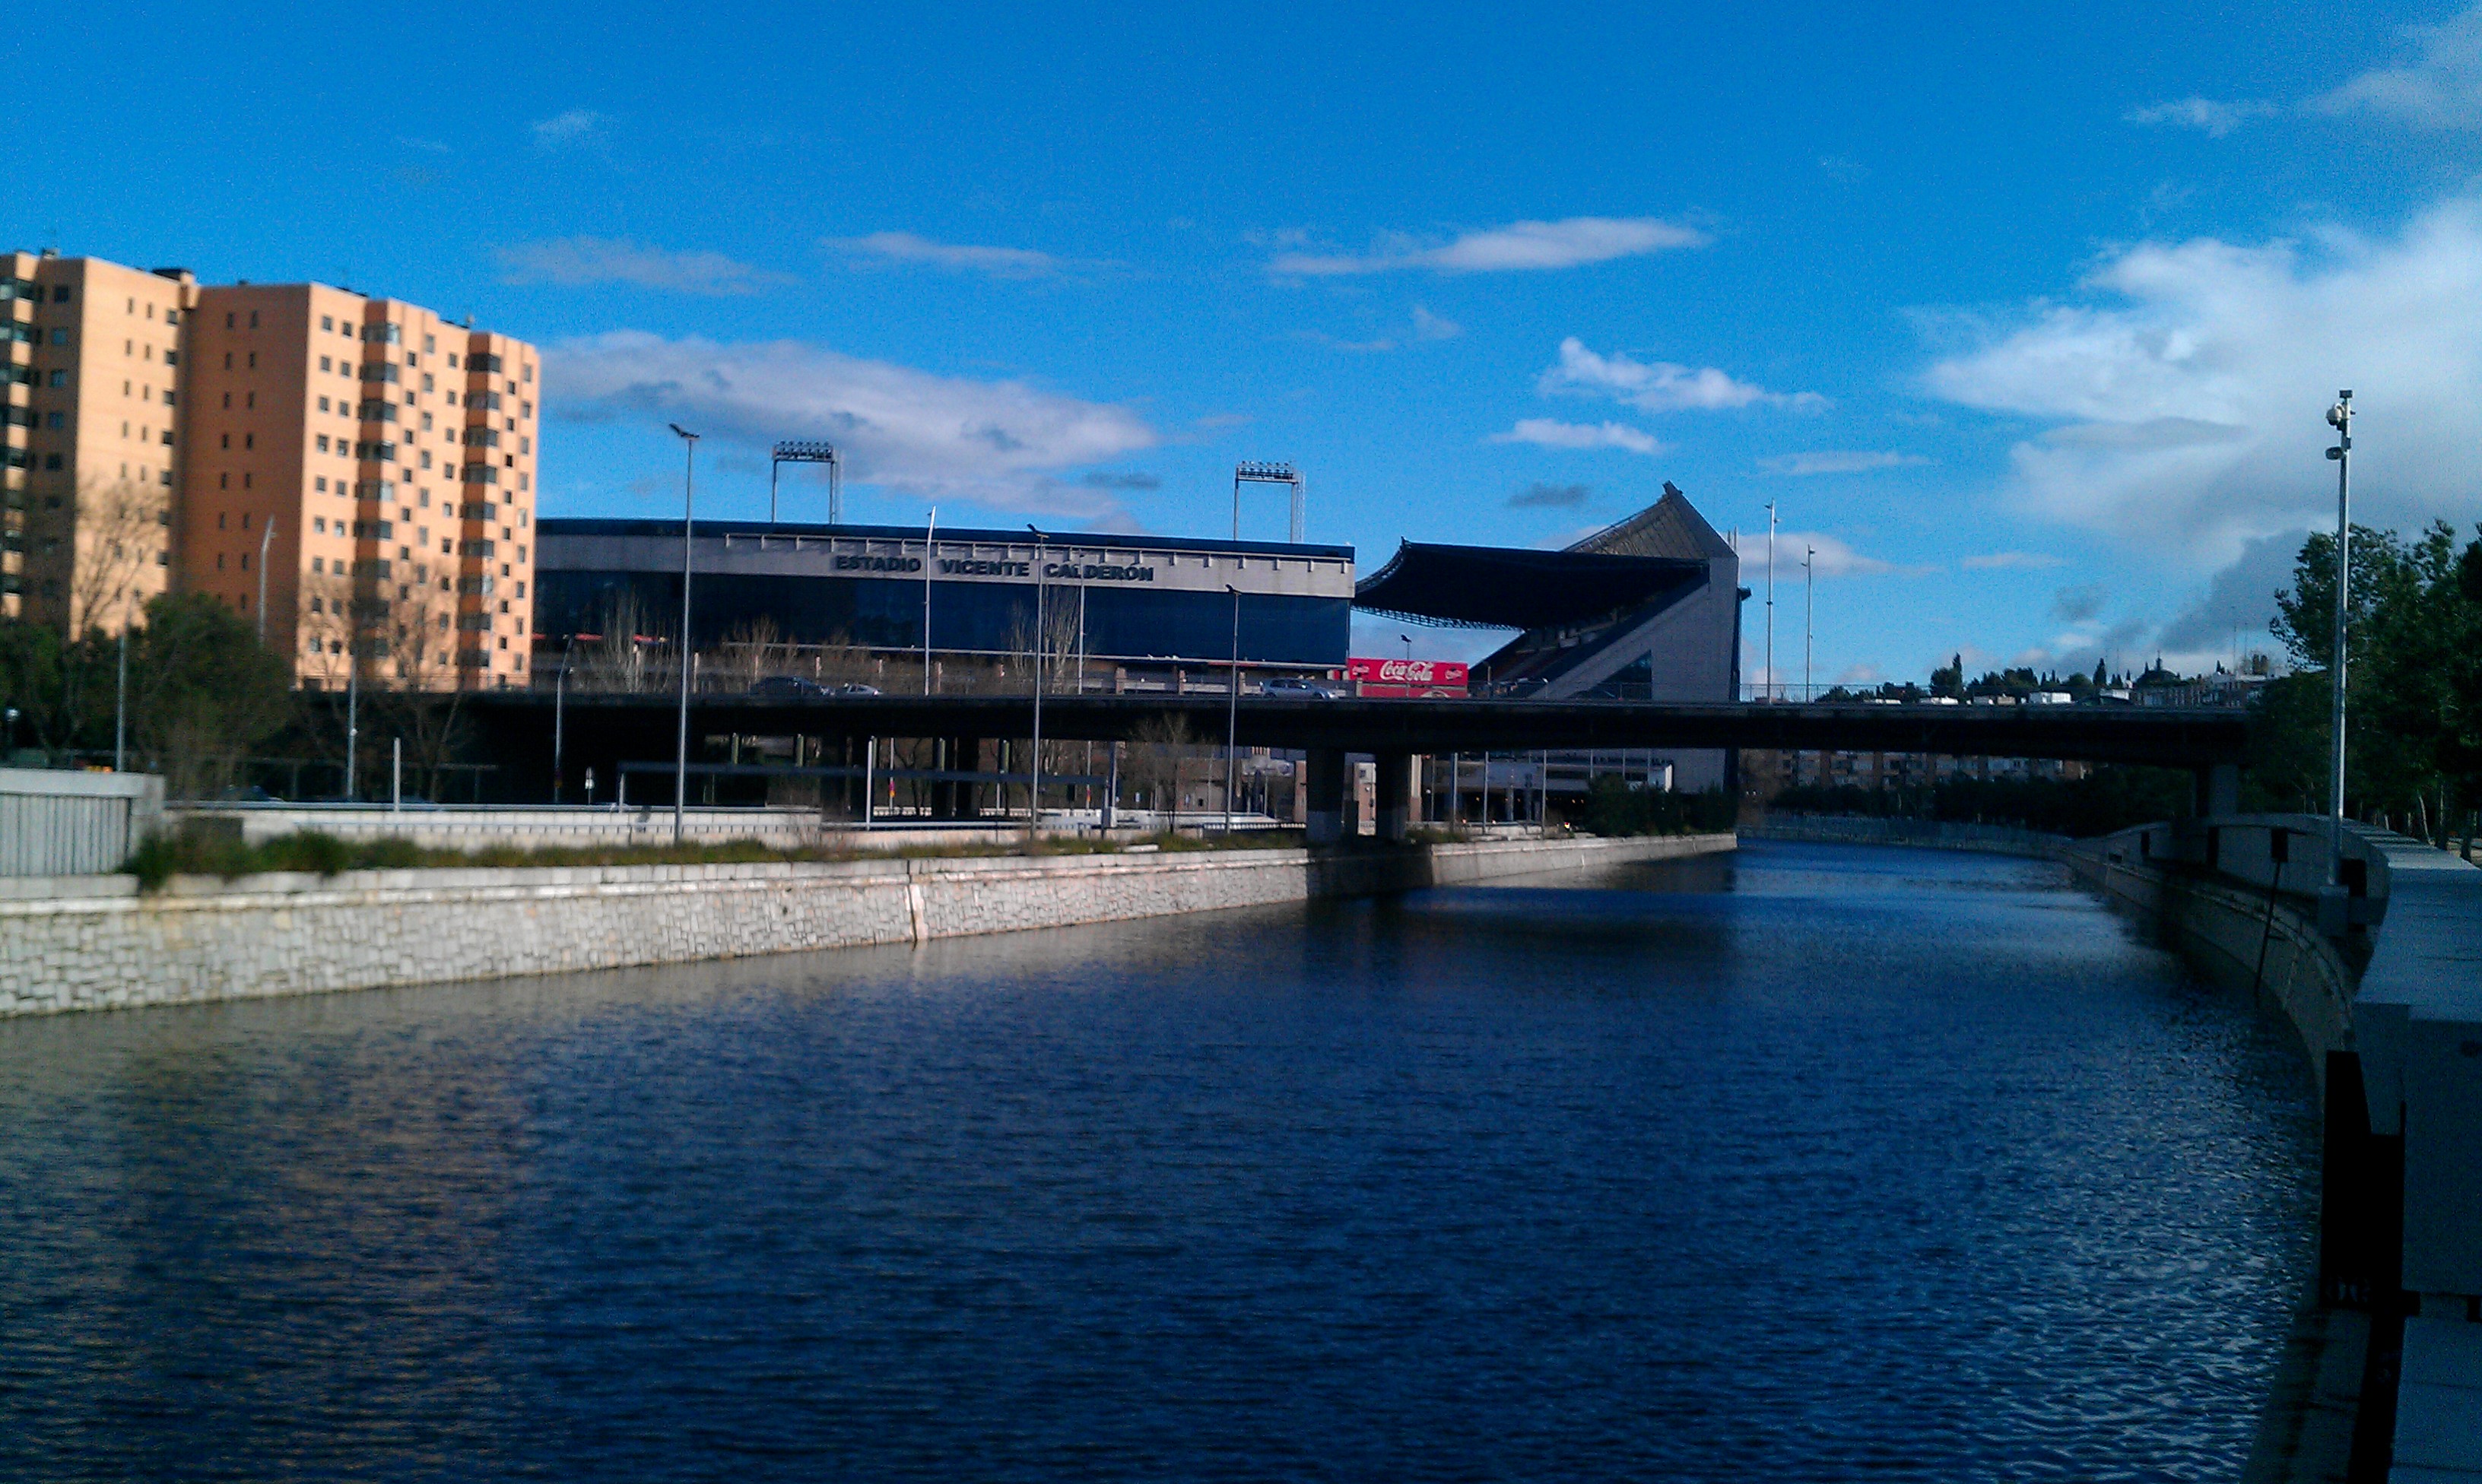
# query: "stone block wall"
(96, 942)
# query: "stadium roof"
(1671, 527)
(1498, 588)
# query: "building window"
(227, 437)
(323, 403)
(322, 482)
(60, 379)
(52, 420)
(250, 440)
(452, 360)
(51, 460)
(224, 481)
(228, 355)
(323, 443)
(228, 321)
(61, 294)
(250, 399)
(254, 318)
(253, 360)
(60, 337)
(325, 364)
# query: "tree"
(2414, 682)
(202, 692)
(1949, 679)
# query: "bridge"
(640, 726)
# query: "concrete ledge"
(97, 943)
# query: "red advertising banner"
(1406, 677)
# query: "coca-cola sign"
(1447, 675)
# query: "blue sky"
(2026, 321)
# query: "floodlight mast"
(1252, 471)
(809, 450)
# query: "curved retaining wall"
(2239, 938)
(96, 942)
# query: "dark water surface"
(1824, 1163)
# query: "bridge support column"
(2216, 789)
(1395, 793)
(1324, 811)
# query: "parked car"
(1301, 690)
(795, 685)
(251, 794)
(853, 687)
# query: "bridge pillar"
(2216, 789)
(1324, 811)
(1393, 792)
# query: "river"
(1815, 1164)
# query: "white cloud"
(1550, 433)
(1658, 386)
(574, 127)
(1430, 326)
(1831, 556)
(1570, 243)
(1829, 461)
(2012, 562)
(2188, 410)
(2217, 118)
(2442, 89)
(955, 257)
(992, 442)
(574, 261)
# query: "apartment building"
(89, 468)
(361, 472)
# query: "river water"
(1817, 1163)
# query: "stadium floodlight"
(809, 450)
(1254, 471)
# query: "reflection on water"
(1815, 1164)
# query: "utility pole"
(2340, 418)
(682, 738)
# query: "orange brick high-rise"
(383, 458)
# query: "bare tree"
(119, 539)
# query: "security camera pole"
(2340, 418)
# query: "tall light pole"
(1231, 712)
(1034, 793)
(559, 704)
(120, 698)
(1809, 613)
(682, 738)
(808, 451)
(266, 533)
(1771, 600)
(930, 545)
(2340, 418)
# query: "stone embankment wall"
(2239, 937)
(1928, 834)
(95, 943)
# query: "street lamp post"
(266, 533)
(930, 544)
(559, 703)
(1034, 790)
(2340, 418)
(681, 736)
(1232, 713)
(1809, 613)
(1771, 600)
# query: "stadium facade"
(1119, 599)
